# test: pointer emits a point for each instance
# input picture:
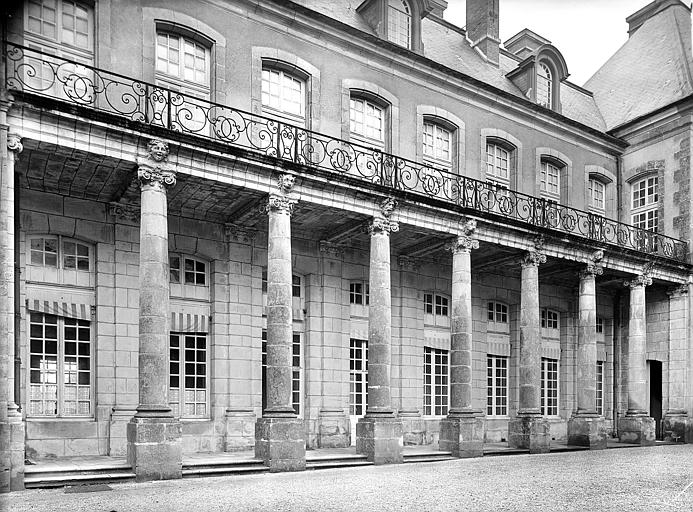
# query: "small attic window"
(399, 23)
(544, 85)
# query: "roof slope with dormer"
(651, 70)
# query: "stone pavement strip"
(634, 479)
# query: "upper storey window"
(645, 199)
(61, 25)
(283, 95)
(497, 164)
(544, 85)
(437, 144)
(399, 22)
(182, 63)
(550, 179)
(597, 195)
(367, 121)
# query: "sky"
(586, 32)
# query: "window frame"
(291, 73)
(60, 371)
(363, 295)
(647, 212)
(182, 375)
(375, 102)
(435, 160)
(546, 82)
(182, 260)
(544, 183)
(57, 44)
(592, 203)
(550, 406)
(599, 388)
(440, 307)
(547, 324)
(434, 360)
(358, 376)
(396, 13)
(497, 386)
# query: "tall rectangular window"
(296, 371)
(284, 94)
(435, 382)
(399, 23)
(549, 387)
(358, 377)
(188, 374)
(600, 388)
(597, 194)
(367, 120)
(497, 163)
(437, 144)
(61, 24)
(60, 369)
(645, 204)
(550, 179)
(496, 386)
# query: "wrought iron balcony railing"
(38, 73)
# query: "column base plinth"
(677, 427)
(463, 436)
(530, 432)
(380, 439)
(637, 430)
(333, 429)
(155, 448)
(281, 443)
(12, 455)
(587, 430)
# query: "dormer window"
(399, 22)
(544, 85)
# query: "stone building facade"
(284, 226)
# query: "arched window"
(399, 23)
(544, 85)
(368, 121)
(597, 195)
(550, 184)
(437, 143)
(283, 94)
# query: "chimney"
(482, 27)
(636, 20)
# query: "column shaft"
(379, 326)
(637, 368)
(587, 345)
(461, 333)
(279, 314)
(530, 341)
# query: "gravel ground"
(632, 479)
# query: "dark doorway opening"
(655, 392)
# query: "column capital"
(641, 280)
(154, 169)
(594, 265)
(6, 101)
(533, 259)
(280, 203)
(235, 233)
(679, 291)
(14, 143)
(463, 243)
(331, 249)
(382, 225)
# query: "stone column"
(586, 427)
(529, 429)
(676, 424)
(462, 432)
(279, 435)
(153, 434)
(11, 425)
(637, 426)
(379, 433)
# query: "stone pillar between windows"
(676, 424)
(529, 429)
(637, 427)
(379, 433)
(462, 432)
(153, 434)
(11, 424)
(586, 427)
(279, 435)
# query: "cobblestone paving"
(648, 479)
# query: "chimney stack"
(482, 27)
(636, 20)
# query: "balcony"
(34, 73)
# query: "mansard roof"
(651, 70)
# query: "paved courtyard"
(648, 479)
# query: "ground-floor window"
(600, 388)
(60, 369)
(188, 372)
(358, 377)
(436, 390)
(296, 371)
(549, 387)
(497, 386)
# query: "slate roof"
(651, 70)
(450, 48)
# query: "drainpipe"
(617, 343)
(17, 303)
